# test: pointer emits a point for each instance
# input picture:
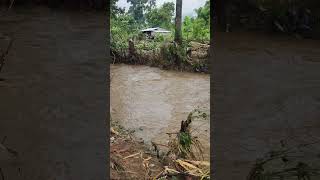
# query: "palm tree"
(178, 34)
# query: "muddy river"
(47, 109)
(152, 102)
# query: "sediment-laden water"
(152, 101)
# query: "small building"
(151, 32)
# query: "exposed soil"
(133, 159)
(130, 159)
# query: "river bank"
(189, 57)
(134, 159)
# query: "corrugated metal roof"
(156, 29)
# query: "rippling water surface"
(152, 101)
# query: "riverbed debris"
(187, 169)
(184, 144)
(135, 160)
(132, 155)
(114, 131)
(129, 158)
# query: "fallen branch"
(4, 54)
(132, 155)
(172, 172)
(11, 4)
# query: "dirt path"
(266, 88)
(53, 99)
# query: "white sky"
(188, 6)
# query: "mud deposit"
(153, 102)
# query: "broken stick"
(4, 54)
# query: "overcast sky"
(188, 6)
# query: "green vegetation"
(198, 29)
(161, 17)
(161, 51)
(174, 55)
(122, 29)
(144, 14)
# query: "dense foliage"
(145, 14)
(162, 16)
(129, 45)
(122, 29)
(137, 9)
(198, 28)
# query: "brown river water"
(48, 110)
(54, 101)
(152, 101)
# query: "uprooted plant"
(187, 151)
(184, 144)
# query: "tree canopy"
(198, 28)
(114, 9)
(162, 16)
(137, 9)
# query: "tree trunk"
(178, 34)
(132, 50)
